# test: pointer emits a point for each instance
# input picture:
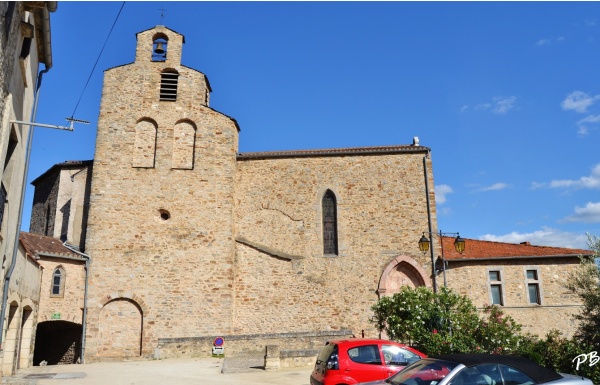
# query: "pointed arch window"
(329, 207)
(168, 85)
(58, 282)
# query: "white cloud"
(588, 214)
(464, 108)
(494, 187)
(542, 42)
(500, 105)
(440, 193)
(589, 182)
(582, 127)
(545, 237)
(503, 105)
(578, 101)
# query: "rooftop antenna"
(162, 15)
(69, 128)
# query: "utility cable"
(97, 60)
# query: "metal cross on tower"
(162, 14)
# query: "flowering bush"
(498, 333)
(445, 322)
(436, 323)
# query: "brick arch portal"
(402, 271)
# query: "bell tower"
(160, 228)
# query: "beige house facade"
(25, 44)
(528, 282)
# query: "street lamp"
(425, 244)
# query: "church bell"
(159, 50)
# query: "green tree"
(585, 283)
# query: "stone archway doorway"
(120, 329)
(402, 271)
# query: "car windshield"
(424, 372)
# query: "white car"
(479, 369)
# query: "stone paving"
(205, 371)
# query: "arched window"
(159, 47)
(330, 241)
(168, 85)
(58, 282)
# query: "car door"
(364, 363)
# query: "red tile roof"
(478, 250)
(35, 244)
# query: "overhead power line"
(98, 59)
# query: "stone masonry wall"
(44, 203)
(160, 238)
(557, 305)
(381, 212)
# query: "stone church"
(188, 239)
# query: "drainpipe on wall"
(88, 261)
(429, 221)
(22, 200)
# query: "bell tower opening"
(159, 47)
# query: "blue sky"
(506, 95)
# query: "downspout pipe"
(429, 221)
(88, 261)
(22, 200)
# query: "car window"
(423, 372)
(491, 373)
(367, 354)
(472, 376)
(395, 355)
(513, 376)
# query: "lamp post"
(425, 244)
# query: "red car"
(348, 362)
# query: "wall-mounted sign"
(55, 315)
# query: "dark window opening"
(330, 241)
(57, 282)
(168, 86)
(25, 48)
(3, 195)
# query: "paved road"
(203, 371)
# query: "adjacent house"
(25, 44)
(526, 281)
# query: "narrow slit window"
(330, 240)
(168, 86)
